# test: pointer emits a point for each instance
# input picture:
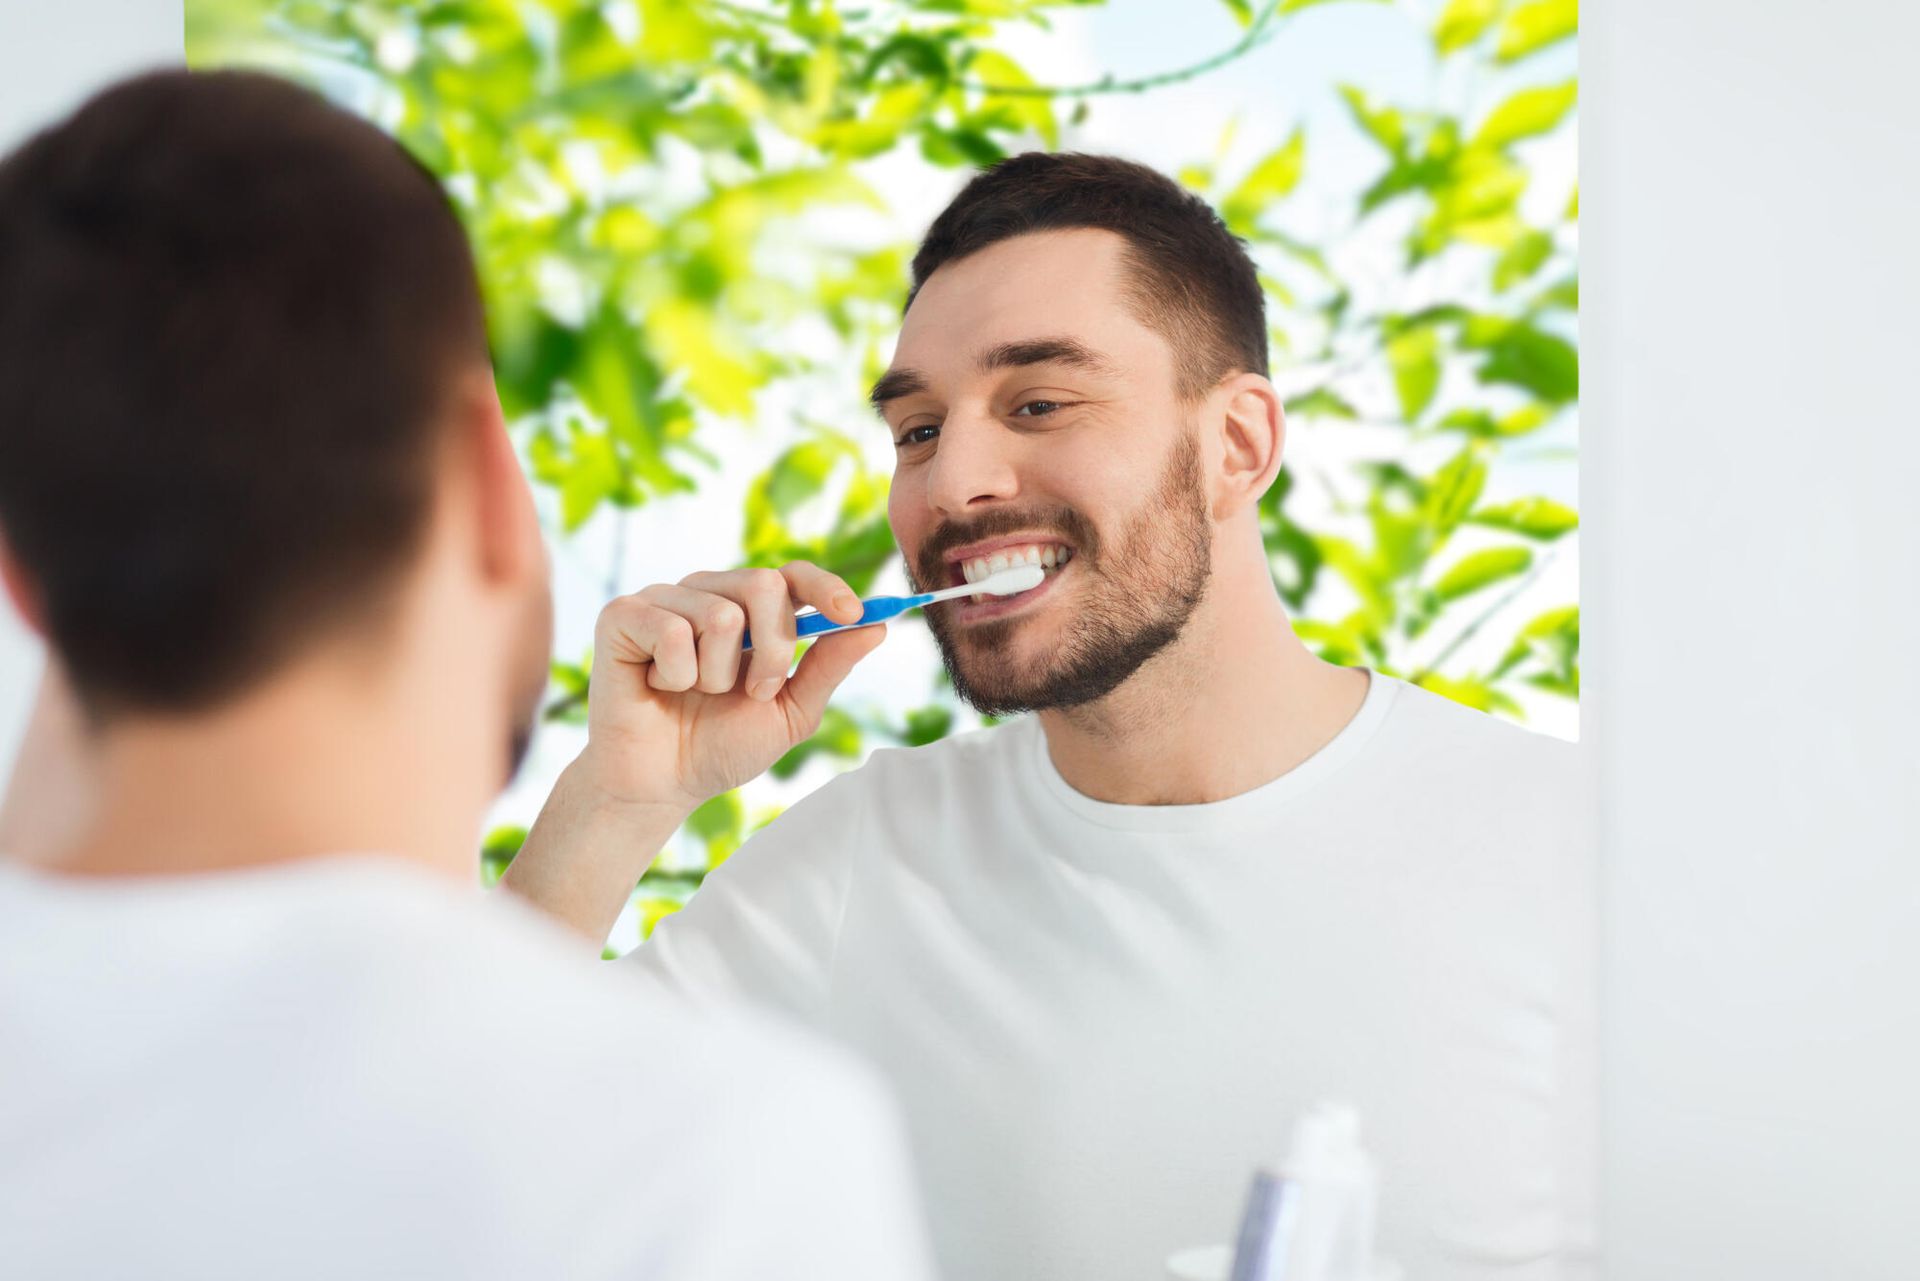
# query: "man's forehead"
(1003, 291)
(1054, 295)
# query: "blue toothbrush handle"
(875, 609)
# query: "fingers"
(660, 642)
(769, 597)
(717, 625)
(766, 597)
(688, 635)
(828, 593)
(822, 670)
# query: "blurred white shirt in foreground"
(345, 1068)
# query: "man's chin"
(1003, 680)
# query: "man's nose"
(973, 465)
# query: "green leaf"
(1462, 22)
(1532, 27)
(1469, 691)
(653, 911)
(1521, 259)
(1454, 489)
(1483, 424)
(592, 475)
(1019, 111)
(717, 817)
(838, 735)
(497, 852)
(1323, 402)
(799, 473)
(1384, 125)
(1527, 114)
(1552, 639)
(922, 55)
(1275, 176)
(927, 725)
(1415, 359)
(1534, 360)
(1562, 294)
(1540, 518)
(1242, 11)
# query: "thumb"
(821, 671)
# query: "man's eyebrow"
(1045, 351)
(894, 384)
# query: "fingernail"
(847, 603)
(766, 689)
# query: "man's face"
(1034, 417)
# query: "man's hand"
(677, 714)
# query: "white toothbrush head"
(1010, 581)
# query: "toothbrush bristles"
(1011, 581)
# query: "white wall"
(52, 54)
(1751, 333)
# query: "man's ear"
(25, 596)
(509, 532)
(1253, 436)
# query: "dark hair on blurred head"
(230, 315)
(1192, 281)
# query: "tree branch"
(1486, 616)
(1258, 32)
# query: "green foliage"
(634, 174)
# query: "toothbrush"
(878, 609)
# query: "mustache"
(928, 569)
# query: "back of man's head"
(229, 317)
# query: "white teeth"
(1044, 555)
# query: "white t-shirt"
(347, 1069)
(1101, 1018)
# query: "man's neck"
(310, 766)
(1236, 702)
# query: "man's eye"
(914, 436)
(1037, 408)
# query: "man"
(256, 1018)
(1109, 952)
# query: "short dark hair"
(1192, 280)
(229, 317)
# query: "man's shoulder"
(1456, 765)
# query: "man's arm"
(677, 714)
(587, 851)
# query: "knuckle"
(676, 635)
(766, 582)
(724, 616)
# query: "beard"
(1136, 600)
